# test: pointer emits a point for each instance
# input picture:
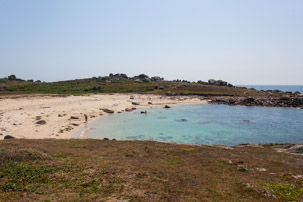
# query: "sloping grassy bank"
(145, 171)
(83, 86)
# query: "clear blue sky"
(241, 41)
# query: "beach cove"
(59, 116)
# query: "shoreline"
(59, 117)
(81, 130)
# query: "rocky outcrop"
(156, 79)
(142, 77)
(298, 149)
(119, 76)
(218, 83)
(211, 82)
(12, 78)
(259, 101)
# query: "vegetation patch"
(286, 191)
(96, 170)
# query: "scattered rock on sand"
(166, 106)
(74, 117)
(132, 97)
(7, 137)
(135, 103)
(1, 134)
(150, 103)
(128, 109)
(38, 118)
(41, 122)
(108, 111)
(75, 124)
(134, 108)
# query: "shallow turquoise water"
(206, 124)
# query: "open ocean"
(204, 124)
(291, 88)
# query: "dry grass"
(145, 171)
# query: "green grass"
(76, 170)
(22, 176)
(286, 191)
(83, 86)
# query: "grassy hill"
(94, 85)
(90, 170)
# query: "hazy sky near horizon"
(240, 41)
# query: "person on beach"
(85, 116)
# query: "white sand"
(18, 115)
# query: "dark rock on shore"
(41, 122)
(8, 137)
(166, 106)
(108, 111)
(74, 117)
(135, 103)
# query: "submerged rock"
(166, 106)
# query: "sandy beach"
(39, 117)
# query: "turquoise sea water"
(290, 88)
(205, 124)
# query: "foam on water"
(202, 124)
